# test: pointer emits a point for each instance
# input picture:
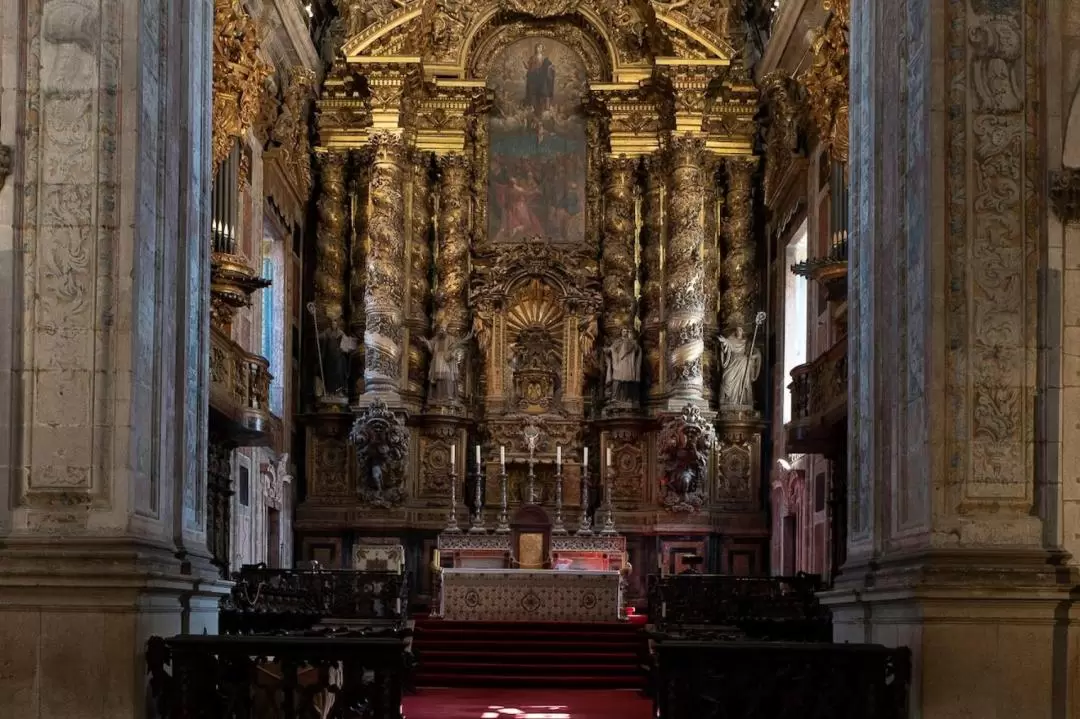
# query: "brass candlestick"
(503, 526)
(477, 520)
(585, 525)
(451, 517)
(557, 526)
(609, 508)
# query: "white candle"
(477, 459)
(609, 456)
(585, 459)
(558, 455)
(502, 456)
(453, 455)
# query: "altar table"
(536, 595)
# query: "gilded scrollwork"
(330, 249)
(384, 294)
(240, 76)
(826, 80)
(684, 271)
(381, 441)
(739, 302)
(781, 95)
(289, 136)
(684, 444)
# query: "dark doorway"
(273, 537)
(790, 528)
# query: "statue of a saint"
(335, 349)
(623, 371)
(741, 364)
(446, 355)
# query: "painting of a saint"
(537, 156)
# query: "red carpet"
(526, 704)
(535, 655)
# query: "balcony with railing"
(240, 394)
(819, 403)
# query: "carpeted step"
(520, 654)
(524, 682)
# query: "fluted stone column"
(104, 339)
(684, 272)
(949, 544)
(619, 263)
(652, 278)
(384, 290)
(739, 272)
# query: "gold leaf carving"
(239, 76)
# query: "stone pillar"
(104, 339)
(652, 279)
(384, 288)
(739, 300)
(418, 323)
(946, 549)
(619, 261)
(452, 269)
(684, 273)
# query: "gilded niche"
(537, 153)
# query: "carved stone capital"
(1065, 195)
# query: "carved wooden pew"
(767, 608)
(268, 600)
(717, 679)
(356, 673)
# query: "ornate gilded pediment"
(444, 33)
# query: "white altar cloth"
(537, 595)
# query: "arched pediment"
(455, 36)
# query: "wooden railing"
(755, 680)
(353, 674)
(274, 600)
(819, 394)
(240, 392)
(771, 608)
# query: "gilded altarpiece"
(524, 210)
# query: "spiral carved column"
(453, 238)
(452, 265)
(652, 279)
(384, 293)
(684, 271)
(619, 268)
(330, 251)
(420, 227)
(739, 302)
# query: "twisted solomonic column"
(619, 264)
(453, 250)
(330, 251)
(652, 275)
(739, 302)
(384, 290)
(419, 281)
(684, 270)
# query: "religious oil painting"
(536, 175)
